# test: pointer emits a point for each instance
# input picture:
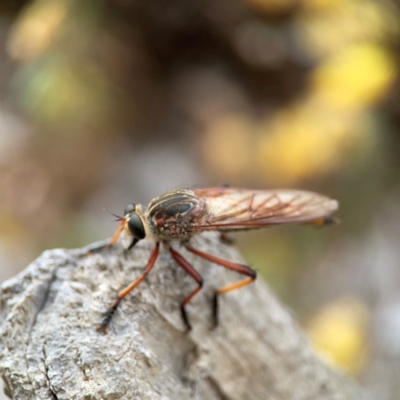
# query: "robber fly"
(180, 214)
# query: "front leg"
(107, 319)
(114, 240)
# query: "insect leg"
(112, 243)
(195, 275)
(106, 321)
(242, 269)
(117, 232)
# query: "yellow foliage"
(36, 28)
(306, 140)
(297, 143)
(326, 27)
(357, 77)
(338, 334)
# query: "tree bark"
(50, 348)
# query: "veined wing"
(238, 209)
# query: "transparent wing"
(238, 209)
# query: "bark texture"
(50, 348)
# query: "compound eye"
(136, 227)
(130, 208)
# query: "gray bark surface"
(50, 348)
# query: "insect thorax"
(171, 216)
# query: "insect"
(180, 214)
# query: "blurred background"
(105, 102)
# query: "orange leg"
(113, 240)
(242, 269)
(106, 321)
(117, 232)
(195, 275)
